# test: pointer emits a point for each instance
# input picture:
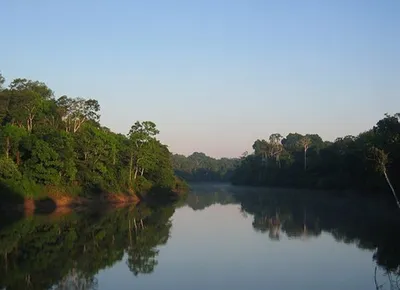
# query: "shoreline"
(58, 202)
(63, 203)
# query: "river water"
(221, 237)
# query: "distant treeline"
(200, 167)
(367, 162)
(57, 145)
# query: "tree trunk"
(6, 261)
(130, 168)
(74, 129)
(78, 123)
(305, 159)
(278, 160)
(136, 172)
(141, 173)
(130, 232)
(8, 147)
(30, 122)
(391, 187)
(18, 161)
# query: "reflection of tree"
(40, 252)
(154, 231)
(387, 280)
(349, 219)
(202, 196)
(75, 280)
(142, 261)
(271, 224)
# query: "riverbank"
(49, 198)
(60, 202)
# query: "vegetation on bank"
(367, 162)
(200, 167)
(51, 145)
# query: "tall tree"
(76, 111)
(305, 142)
(10, 137)
(381, 161)
(139, 134)
(292, 141)
(2, 81)
(276, 147)
(26, 100)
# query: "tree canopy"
(307, 161)
(49, 142)
(200, 167)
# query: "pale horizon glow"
(214, 75)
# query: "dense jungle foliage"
(57, 145)
(200, 167)
(369, 162)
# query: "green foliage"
(307, 161)
(9, 170)
(43, 166)
(199, 167)
(10, 138)
(142, 184)
(59, 144)
(2, 81)
(181, 186)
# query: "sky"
(214, 75)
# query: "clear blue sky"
(213, 74)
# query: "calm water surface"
(222, 237)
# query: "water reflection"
(301, 214)
(66, 252)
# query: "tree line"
(369, 162)
(57, 144)
(200, 167)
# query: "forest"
(56, 145)
(198, 167)
(368, 163)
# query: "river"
(221, 237)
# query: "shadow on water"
(67, 251)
